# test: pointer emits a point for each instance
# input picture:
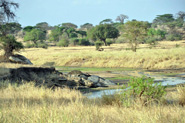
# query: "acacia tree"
(121, 18)
(135, 32)
(8, 42)
(104, 31)
(35, 35)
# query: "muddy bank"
(52, 78)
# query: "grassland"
(28, 104)
(165, 56)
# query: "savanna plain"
(27, 103)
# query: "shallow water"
(165, 81)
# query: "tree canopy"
(104, 31)
(135, 32)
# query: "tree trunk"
(104, 40)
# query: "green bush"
(152, 41)
(29, 45)
(42, 45)
(145, 89)
(84, 42)
(109, 42)
(63, 43)
(173, 37)
(74, 41)
(98, 44)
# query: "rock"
(19, 59)
(94, 79)
(106, 82)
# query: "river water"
(165, 81)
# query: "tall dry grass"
(27, 103)
(165, 55)
(114, 56)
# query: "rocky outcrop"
(19, 59)
(52, 78)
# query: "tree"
(10, 28)
(82, 33)
(6, 9)
(106, 21)
(28, 28)
(121, 18)
(69, 25)
(86, 26)
(8, 42)
(35, 35)
(181, 15)
(44, 26)
(102, 32)
(161, 19)
(135, 32)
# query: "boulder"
(19, 59)
(94, 79)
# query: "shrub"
(144, 89)
(63, 43)
(74, 41)
(84, 42)
(42, 45)
(109, 42)
(173, 37)
(151, 41)
(98, 44)
(29, 45)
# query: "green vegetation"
(104, 31)
(135, 32)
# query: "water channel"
(165, 81)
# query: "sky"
(79, 12)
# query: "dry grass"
(113, 56)
(30, 104)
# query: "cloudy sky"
(79, 12)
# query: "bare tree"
(181, 15)
(6, 9)
(121, 18)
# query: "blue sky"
(55, 12)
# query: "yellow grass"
(29, 104)
(113, 56)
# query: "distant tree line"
(163, 27)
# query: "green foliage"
(160, 33)
(98, 44)
(104, 31)
(106, 21)
(9, 44)
(43, 26)
(86, 26)
(109, 42)
(10, 28)
(152, 41)
(145, 89)
(55, 33)
(160, 19)
(174, 37)
(35, 35)
(74, 41)
(63, 42)
(28, 28)
(69, 25)
(42, 45)
(135, 32)
(82, 33)
(84, 42)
